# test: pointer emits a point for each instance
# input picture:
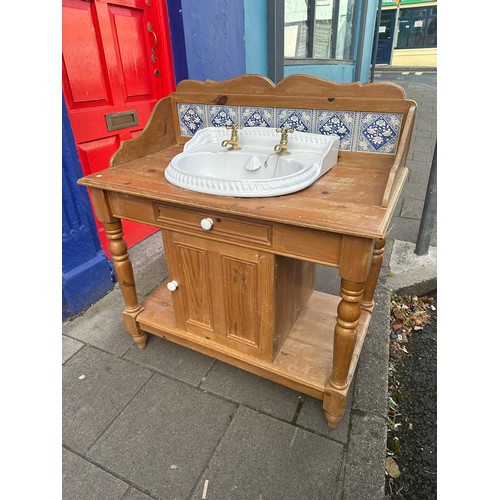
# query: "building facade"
(331, 39)
(408, 33)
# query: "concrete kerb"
(385, 68)
(409, 273)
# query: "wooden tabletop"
(345, 200)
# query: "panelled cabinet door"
(224, 292)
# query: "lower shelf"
(305, 360)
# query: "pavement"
(170, 423)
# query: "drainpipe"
(361, 40)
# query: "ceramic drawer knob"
(207, 224)
(172, 285)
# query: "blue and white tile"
(341, 123)
(222, 116)
(378, 132)
(191, 118)
(257, 117)
(298, 119)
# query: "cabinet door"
(225, 292)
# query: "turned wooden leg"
(371, 282)
(125, 275)
(348, 314)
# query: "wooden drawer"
(224, 227)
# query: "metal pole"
(275, 40)
(375, 41)
(429, 211)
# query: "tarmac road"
(420, 77)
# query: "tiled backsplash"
(358, 131)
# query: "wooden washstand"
(245, 288)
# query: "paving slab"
(420, 176)
(415, 191)
(377, 338)
(163, 439)
(365, 460)
(253, 391)
(172, 359)
(411, 208)
(370, 388)
(407, 230)
(386, 256)
(82, 480)
(426, 143)
(419, 165)
(102, 325)
(312, 418)
(134, 494)
(371, 384)
(96, 386)
(261, 457)
(327, 279)
(425, 125)
(69, 347)
(150, 267)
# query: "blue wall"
(214, 33)
(255, 12)
(176, 25)
(86, 273)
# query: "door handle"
(150, 29)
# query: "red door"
(117, 63)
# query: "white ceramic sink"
(255, 170)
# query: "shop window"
(319, 29)
(417, 28)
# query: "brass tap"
(282, 147)
(233, 142)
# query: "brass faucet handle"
(234, 127)
(234, 131)
(284, 131)
(233, 142)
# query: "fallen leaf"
(399, 314)
(392, 467)
(395, 326)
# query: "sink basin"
(255, 170)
